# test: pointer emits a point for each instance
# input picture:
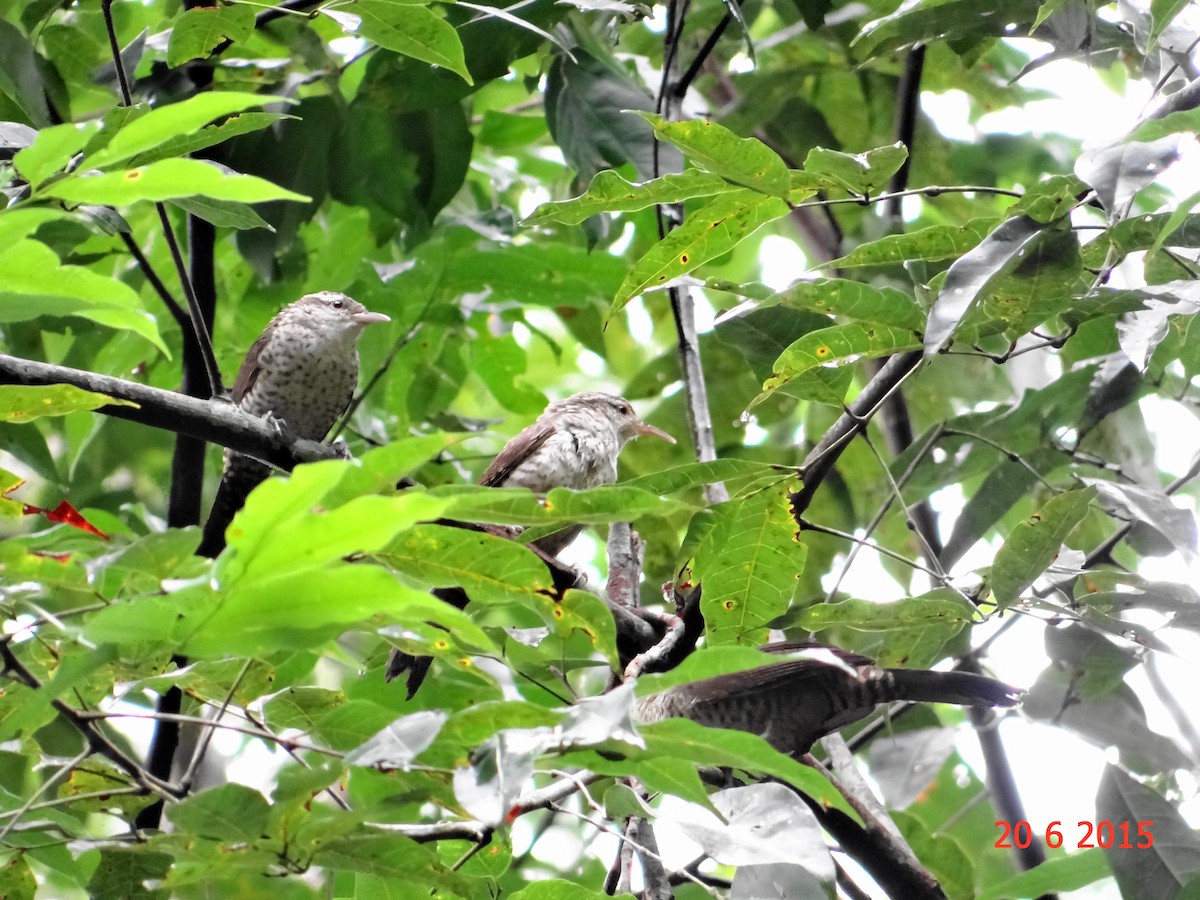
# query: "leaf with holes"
(166, 180)
(966, 279)
(609, 192)
(709, 232)
(932, 244)
(745, 161)
(860, 173)
(853, 300)
(837, 345)
(749, 566)
(1035, 543)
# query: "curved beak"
(370, 318)
(642, 428)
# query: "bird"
(301, 374)
(573, 444)
(794, 703)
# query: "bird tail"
(959, 688)
(242, 475)
(417, 668)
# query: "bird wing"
(514, 453)
(849, 657)
(248, 373)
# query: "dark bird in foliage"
(573, 444)
(794, 703)
(301, 372)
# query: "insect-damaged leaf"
(1034, 543)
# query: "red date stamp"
(1122, 835)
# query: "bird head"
(617, 411)
(330, 311)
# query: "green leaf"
(1119, 171)
(297, 610)
(20, 403)
(171, 122)
(410, 29)
(209, 135)
(222, 213)
(931, 244)
(301, 707)
(1162, 13)
(289, 524)
(52, 149)
(837, 345)
(749, 566)
(17, 881)
(491, 569)
(922, 21)
(1034, 543)
(583, 611)
(682, 739)
(867, 615)
(1137, 233)
(1185, 121)
(231, 812)
(166, 179)
(33, 283)
(201, 29)
(970, 275)
(388, 854)
(710, 231)
(609, 192)
(557, 889)
(122, 875)
(860, 173)
(1172, 863)
(853, 300)
(1004, 486)
(516, 506)
(24, 221)
(694, 474)
(745, 161)
(1050, 199)
(587, 109)
(1065, 873)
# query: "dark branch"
(216, 421)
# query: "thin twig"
(210, 723)
(98, 742)
(46, 785)
(883, 510)
(206, 737)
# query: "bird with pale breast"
(794, 703)
(573, 444)
(301, 372)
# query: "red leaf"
(67, 514)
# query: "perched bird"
(573, 444)
(794, 703)
(301, 372)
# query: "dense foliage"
(549, 197)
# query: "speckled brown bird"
(573, 444)
(302, 372)
(794, 703)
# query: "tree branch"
(215, 421)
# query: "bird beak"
(370, 318)
(642, 428)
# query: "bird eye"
(338, 303)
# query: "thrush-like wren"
(301, 372)
(573, 444)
